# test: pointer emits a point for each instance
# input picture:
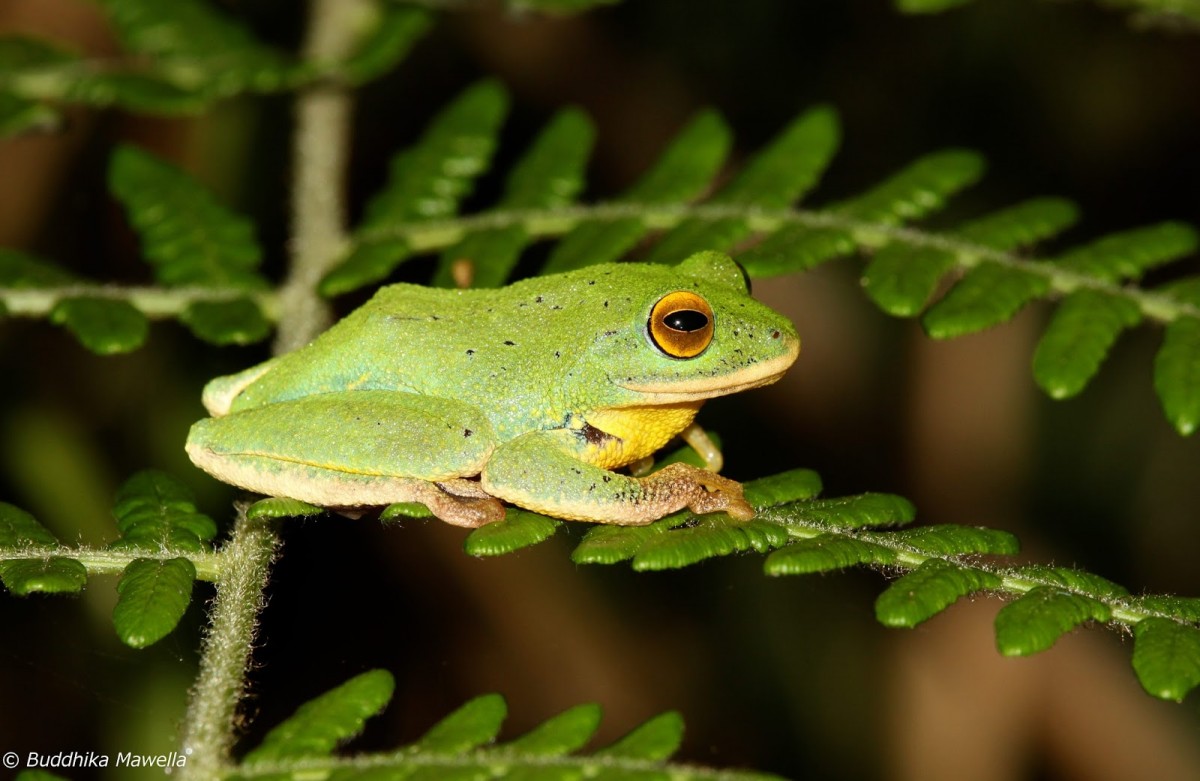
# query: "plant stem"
(320, 150)
(106, 561)
(153, 302)
(208, 732)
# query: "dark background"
(791, 675)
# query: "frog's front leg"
(543, 471)
(354, 449)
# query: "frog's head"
(693, 332)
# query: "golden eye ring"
(681, 324)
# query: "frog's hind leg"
(356, 448)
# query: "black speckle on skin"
(556, 307)
(537, 300)
(591, 281)
(610, 333)
(470, 352)
(591, 487)
(467, 432)
(606, 479)
(606, 305)
(557, 354)
(510, 343)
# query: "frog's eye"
(681, 324)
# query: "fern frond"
(1177, 374)
(774, 178)
(426, 182)
(686, 167)
(549, 176)
(179, 58)
(51, 575)
(187, 236)
(1036, 620)
(152, 596)
(18, 114)
(18, 529)
(913, 192)
(986, 296)
(518, 529)
(936, 565)
(1080, 334)
(154, 511)
(204, 256)
(103, 326)
(1166, 657)
(463, 744)
(45, 574)
(163, 549)
(319, 725)
(1170, 14)
(199, 48)
(281, 507)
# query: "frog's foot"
(700, 490)
(456, 503)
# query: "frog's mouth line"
(753, 376)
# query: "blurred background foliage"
(791, 676)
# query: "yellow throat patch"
(636, 432)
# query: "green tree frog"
(530, 394)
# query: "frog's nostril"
(774, 334)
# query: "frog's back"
(473, 345)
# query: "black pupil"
(687, 320)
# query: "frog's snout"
(785, 343)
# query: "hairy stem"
(320, 151)
(208, 731)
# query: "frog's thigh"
(347, 448)
(542, 471)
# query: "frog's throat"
(754, 376)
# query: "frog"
(538, 394)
